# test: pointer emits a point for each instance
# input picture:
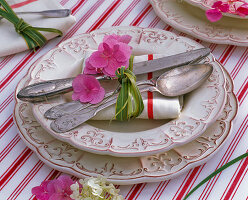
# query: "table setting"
(142, 99)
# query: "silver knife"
(44, 90)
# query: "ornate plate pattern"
(192, 20)
(207, 4)
(166, 165)
(202, 107)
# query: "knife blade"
(51, 88)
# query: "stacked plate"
(189, 17)
(137, 151)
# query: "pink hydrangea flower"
(57, 189)
(242, 10)
(87, 88)
(113, 53)
(41, 191)
(215, 14)
(223, 7)
(238, 7)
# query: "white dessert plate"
(138, 137)
(167, 165)
(207, 4)
(192, 20)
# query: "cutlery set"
(182, 76)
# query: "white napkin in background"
(162, 107)
(11, 42)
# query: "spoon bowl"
(183, 80)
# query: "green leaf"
(30, 34)
(215, 173)
(129, 104)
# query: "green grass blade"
(215, 173)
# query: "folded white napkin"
(156, 106)
(11, 42)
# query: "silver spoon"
(48, 13)
(175, 82)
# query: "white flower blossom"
(94, 189)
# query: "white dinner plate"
(207, 4)
(63, 157)
(138, 137)
(192, 20)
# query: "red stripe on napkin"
(150, 94)
(18, 5)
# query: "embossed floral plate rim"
(192, 20)
(191, 123)
(205, 5)
(63, 157)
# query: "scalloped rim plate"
(192, 20)
(202, 106)
(63, 157)
(207, 4)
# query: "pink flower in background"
(238, 7)
(215, 14)
(223, 7)
(87, 89)
(113, 53)
(41, 192)
(242, 10)
(57, 189)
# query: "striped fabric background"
(20, 169)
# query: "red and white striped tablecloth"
(20, 168)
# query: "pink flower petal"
(98, 60)
(113, 66)
(213, 15)
(85, 98)
(91, 82)
(222, 6)
(107, 50)
(97, 96)
(122, 52)
(88, 69)
(119, 38)
(66, 181)
(78, 83)
(53, 187)
(217, 4)
(75, 96)
(110, 37)
(41, 191)
(242, 10)
(125, 39)
(111, 41)
(59, 197)
(90, 92)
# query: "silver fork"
(48, 13)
